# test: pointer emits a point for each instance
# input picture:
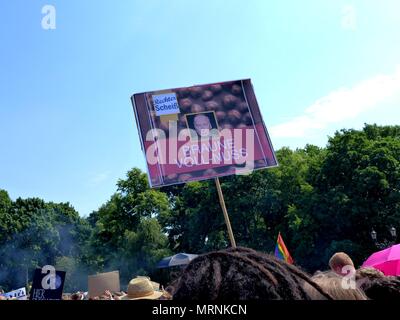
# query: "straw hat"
(155, 285)
(141, 288)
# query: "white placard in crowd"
(19, 294)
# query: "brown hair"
(369, 273)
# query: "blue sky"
(66, 122)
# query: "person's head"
(385, 288)
(341, 264)
(338, 287)
(107, 295)
(369, 273)
(76, 296)
(242, 274)
(202, 125)
(118, 295)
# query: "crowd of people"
(237, 274)
(244, 274)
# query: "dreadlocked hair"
(243, 274)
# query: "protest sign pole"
(228, 223)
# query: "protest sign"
(202, 132)
(48, 284)
(19, 294)
(101, 282)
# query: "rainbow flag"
(281, 252)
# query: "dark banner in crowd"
(48, 284)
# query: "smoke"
(42, 243)
(38, 235)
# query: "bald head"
(341, 263)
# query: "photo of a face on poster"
(203, 125)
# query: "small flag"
(281, 252)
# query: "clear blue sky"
(66, 122)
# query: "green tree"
(356, 189)
(35, 233)
(127, 235)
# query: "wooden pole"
(228, 223)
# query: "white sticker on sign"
(166, 103)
